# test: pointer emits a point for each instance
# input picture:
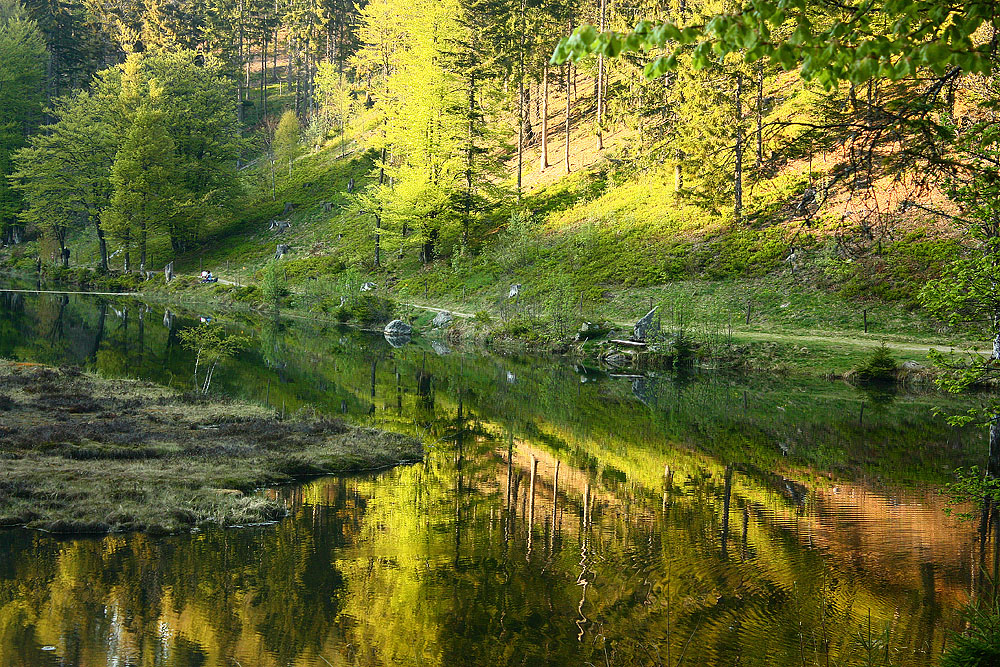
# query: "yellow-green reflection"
(708, 519)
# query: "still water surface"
(561, 517)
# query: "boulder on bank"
(643, 326)
(441, 319)
(398, 328)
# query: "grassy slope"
(606, 243)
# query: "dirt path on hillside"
(833, 338)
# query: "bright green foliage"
(431, 95)
(336, 103)
(967, 294)
(22, 71)
(854, 42)
(211, 345)
(287, 138)
(272, 285)
(64, 172)
(144, 200)
(155, 139)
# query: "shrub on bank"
(878, 366)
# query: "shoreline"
(829, 354)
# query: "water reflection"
(562, 518)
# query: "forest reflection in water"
(561, 517)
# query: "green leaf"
(587, 34)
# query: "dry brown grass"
(86, 454)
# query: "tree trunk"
(520, 105)
(600, 83)
(738, 170)
(469, 159)
(544, 162)
(102, 245)
(142, 248)
(378, 216)
(760, 115)
(263, 75)
(240, 91)
(127, 264)
(569, 70)
(996, 338)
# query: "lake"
(562, 516)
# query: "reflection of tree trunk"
(374, 365)
(726, 496)
(102, 313)
(399, 394)
(142, 332)
(746, 529)
(459, 461)
(531, 501)
(56, 333)
(993, 465)
(555, 509)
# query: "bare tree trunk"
(600, 83)
(102, 244)
(569, 70)
(240, 90)
(760, 114)
(263, 74)
(142, 247)
(544, 161)
(469, 158)
(738, 171)
(520, 105)
(288, 70)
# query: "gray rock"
(369, 287)
(282, 250)
(398, 328)
(514, 291)
(643, 326)
(912, 366)
(440, 348)
(441, 319)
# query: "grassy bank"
(82, 454)
(601, 245)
